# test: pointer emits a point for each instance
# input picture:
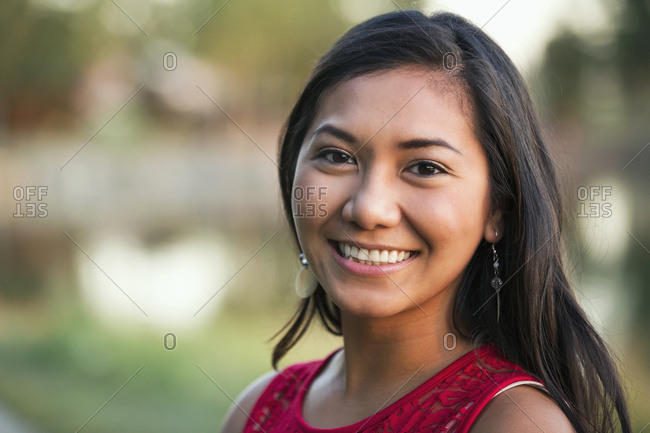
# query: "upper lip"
(369, 247)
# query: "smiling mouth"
(371, 257)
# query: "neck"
(398, 352)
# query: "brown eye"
(426, 168)
(336, 157)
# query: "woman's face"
(391, 165)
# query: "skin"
(433, 200)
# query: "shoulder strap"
(503, 376)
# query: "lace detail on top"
(448, 402)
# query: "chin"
(372, 306)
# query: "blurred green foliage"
(60, 376)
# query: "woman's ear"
(494, 227)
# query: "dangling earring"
(306, 281)
(496, 281)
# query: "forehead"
(398, 103)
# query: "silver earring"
(306, 282)
(496, 282)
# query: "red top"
(448, 402)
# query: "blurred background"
(144, 258)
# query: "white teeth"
(372, 257)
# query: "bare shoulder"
(522, 409)
(238, 413)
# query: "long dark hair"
(542, 326)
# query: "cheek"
(452, 217)
(316, 196)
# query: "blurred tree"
(563, 65)
(42, 56)
(271, 46)
(44, 50)
(632, 51)
(569, 56)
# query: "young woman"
(427, 210)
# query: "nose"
(373, 202)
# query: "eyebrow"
(415, 143)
